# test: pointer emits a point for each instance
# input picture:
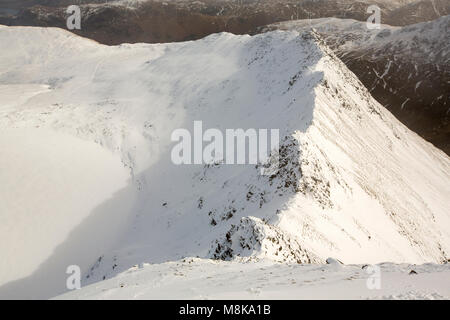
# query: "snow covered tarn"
(90, 182)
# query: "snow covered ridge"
(413, 41)
(353, 183)
(405, 68)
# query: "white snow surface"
(208, 279)
(51, 182)
(75, 116)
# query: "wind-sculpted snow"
(352, 183)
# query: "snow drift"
(353, 182)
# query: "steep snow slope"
(405, 68)
(353, 182)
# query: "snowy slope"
(405, 68)
(202, 280)
(353, 182)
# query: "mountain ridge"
(353, 182)
(404, 68)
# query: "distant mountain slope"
(352, 181)
(406, 69)
(132, 21)
(418, 11)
